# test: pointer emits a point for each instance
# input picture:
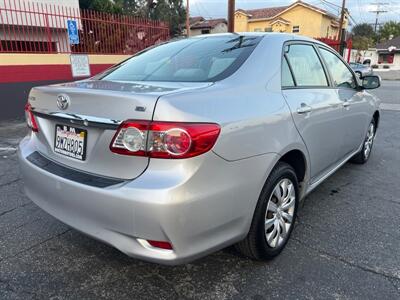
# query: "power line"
(351, 17)
(359, 11)
(329, 7)
(332, 4)
(378, 11)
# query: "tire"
(255, 245)
(365, 152)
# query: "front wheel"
(363, 156)
(274, 216)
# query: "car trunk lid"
(94, 110)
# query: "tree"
(362, 42)
(363, 36)
(100, 5)
(128, 39)
(363, 30)
(131, 7)
(389, 30)
(171, 11)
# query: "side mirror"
(371, 82)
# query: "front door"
(314, 104)
(355, 105)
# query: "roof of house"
(194, 20)
(208, 23)
(271, 12)
(394, 42)
(263, 13)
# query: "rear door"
(316, 109)
(356, 116)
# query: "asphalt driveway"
(346, 244)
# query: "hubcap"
(369, 140)
(279, 214)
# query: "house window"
(205, 31)
(257, 30)
(296, 29)
(268, 29)
(386, 58)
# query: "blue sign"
(73, 34)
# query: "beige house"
(199, 25)
(299, 17)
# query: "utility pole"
(341, 20)
(187, 19)
(377, 11)
(231, 15)
(341, 30)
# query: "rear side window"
(187, 60)
(306, 66)
(341, 75)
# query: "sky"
(359, 9)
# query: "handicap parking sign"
(73, 35)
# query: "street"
(345, 244)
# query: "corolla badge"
(63, 101)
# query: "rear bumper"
(200, 204)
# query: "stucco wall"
(308, 20)
(220, 28)
(20, 72)
(59, 37)
(21, 18)
(325, 24)
(241, 22)
(258, 25)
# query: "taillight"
(30, 118)
(164, 139)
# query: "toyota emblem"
(63, 101)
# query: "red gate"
(335, 44)
(30, 27)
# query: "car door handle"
(304, 108)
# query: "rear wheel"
(363, 156)
(274, 216)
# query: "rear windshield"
(187, 60)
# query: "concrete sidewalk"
(388, 74)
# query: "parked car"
(361, 70)
(197, 144)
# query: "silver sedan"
(198, 144)
(361, 70)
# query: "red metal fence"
(39, 28)
(335, 44)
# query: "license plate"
(70, 141)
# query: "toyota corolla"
(197, 144)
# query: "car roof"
(272, 35)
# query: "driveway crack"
(388, 276)
(35, 245)
(12, 209)
(10, 182)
